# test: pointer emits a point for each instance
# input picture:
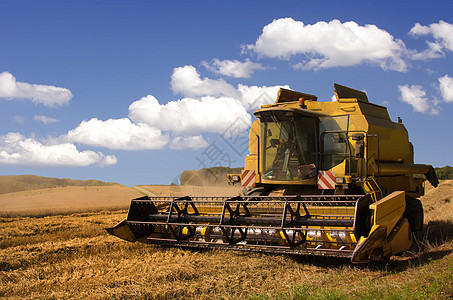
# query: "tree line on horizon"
(444, 173)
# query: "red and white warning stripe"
(248, 178)
(326, 180)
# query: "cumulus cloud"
(443, 39)
(44, 119)
(206, 113)
(233, 68)
(17, 150)
(187, 81)
(177, 124)
(252, 97)
(190, 115)
(415, 95)
(188, 142)
(419, 29)
(332, 44)
(119, 134)
(46, 95)
(446, 88)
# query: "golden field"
(53, 246)
(67, 199)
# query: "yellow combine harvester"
(325, 178)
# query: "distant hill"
(18, 183)
(215, 176)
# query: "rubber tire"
(414, 214)
(256, 191)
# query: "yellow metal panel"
(387, 169)
(346, 92)
(366, 246)
(252, 160)
(253, 137)
(399, 239)
(389, 210)
(340, 169)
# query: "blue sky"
(137, 91)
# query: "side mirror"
(359, 145)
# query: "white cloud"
(46, 95)
(415, 95)
(418, 29)
(443, 39)
(208, 113)
(177, 124)
(187, 81)
(332, 44)
(44, 119)
(188, 142)
(117, 134)
(233, 68)
(434, 50)
(189, 115)
(446, 88)
(252, 97)
(16, 149)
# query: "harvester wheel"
(414, 213)
(256, 191)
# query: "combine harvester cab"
(324, 178)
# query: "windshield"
(290, 146)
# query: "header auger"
(323, 178)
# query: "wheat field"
(66, 254)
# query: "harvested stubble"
(71, 257)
